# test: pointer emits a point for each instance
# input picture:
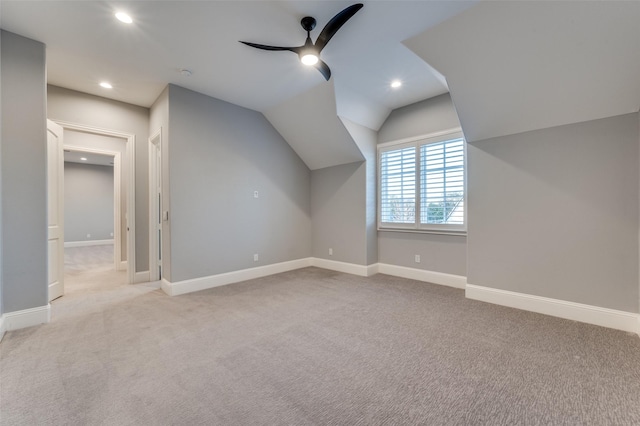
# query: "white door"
(55, 209)
(155, 208)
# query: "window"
(422, 184)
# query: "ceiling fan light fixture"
(309, 59)
(309, 52)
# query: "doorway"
(124, 188)
(93, 201)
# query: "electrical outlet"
(255, 257)
(255, 194)
(88, 235)
(330, 252)
(417, 258)
(111, 234)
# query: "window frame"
(416, 143)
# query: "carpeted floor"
(311, 347)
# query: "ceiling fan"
(309, 53)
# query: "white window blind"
(422, 184)
(398, 185)
(442, 182)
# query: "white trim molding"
(141, 277)
(26, 318)
(605, 317)
(211, 281)
(347, 268)
(130, 170)
(1, 327)
(88, 243)
(441, 278)
(197, 284)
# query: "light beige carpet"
(313, 347)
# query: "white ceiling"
(86, 44)
(310, 123)
(510, 66)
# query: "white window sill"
(425, 231)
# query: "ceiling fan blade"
(334, 25)
(265, 47)
(324, 69)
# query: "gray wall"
(24, 180)
(554, 213)
(219, 154)
(343, 204)
(80, 108)
(338, 213)
(439, 253)
(428, 116)
(88, 202)
(367, 140)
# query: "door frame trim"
(154, 215)
(56, 289)
(130, 166)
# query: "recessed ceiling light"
(123, 17)
(83, 158)
(106, 85)
(186, 72)
(396, 83)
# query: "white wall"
(218, 155)
(554, 213)
(88, 202)
(24, 180)
(438, 253)
(81, 108)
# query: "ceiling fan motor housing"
(308, 23)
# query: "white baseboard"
(1, 327)
(87, 243)
(450, 280)
(619, 320)
(122, 266)
(27, 318)
(347, 268)
(141, 277)
(197, 284)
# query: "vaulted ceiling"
(510, 66)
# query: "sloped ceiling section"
(519, 66)
(359, 108)
(310, 124)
